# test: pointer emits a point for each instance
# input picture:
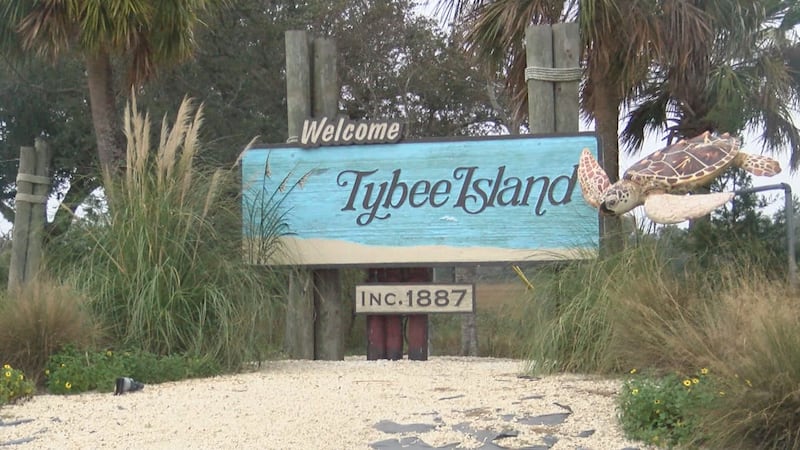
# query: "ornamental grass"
(163, 264)
(38, 319)
(657, 309)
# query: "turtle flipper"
(593, 179)
(669, 208)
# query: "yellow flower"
(687, 382)
(6, 366)
(21, 377)
(635, 391)
(108, 353)
(722, 393)
(695, 381)
(8, 374)
(704, 371)
(47, 372)
(633, 371)
(68, 385)
(748, 382)
(657, 401)
(63, 365)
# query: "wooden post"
(329, 327)
(298, 81)
(566, 55)
(376, 337)
(21, 234)
(553, 77)
(417, 331)
(417, 324)
(469, 323)
(394, 337)
(315, 310)
(299, 333)
(539, 53)
(384, 331)
(32, 189)
(325, 100)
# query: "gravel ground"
(449, 402)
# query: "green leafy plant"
(74, 371)
(666, 410)
(13, 385)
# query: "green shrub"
(13, 385)
(74, 371)
(666, 410)
(39, 319)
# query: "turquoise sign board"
(482, 200)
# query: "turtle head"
(620, 198)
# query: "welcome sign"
(482, 200)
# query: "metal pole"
(789, 211)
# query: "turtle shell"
(686, 164)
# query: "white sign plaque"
(414, 298)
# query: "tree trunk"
(107, 129)
(606, 117)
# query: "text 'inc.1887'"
(414, 298)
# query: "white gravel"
(330, 405)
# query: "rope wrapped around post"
(553, 74)
(33, 179)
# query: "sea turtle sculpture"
(661, 180)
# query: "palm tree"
(625, 44)
(143, 34)
(746, 77)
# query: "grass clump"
(669, 313)
(164, 266)
(38, 319)
(763, 382)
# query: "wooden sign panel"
(496, 199)
(414, 298)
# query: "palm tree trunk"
(606, 117)
(107, 130)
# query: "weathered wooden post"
(469, 323)
(328, 302)
(314, 312)
(299, 333)
(553, 76)
(417, 327)
(33, 183)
